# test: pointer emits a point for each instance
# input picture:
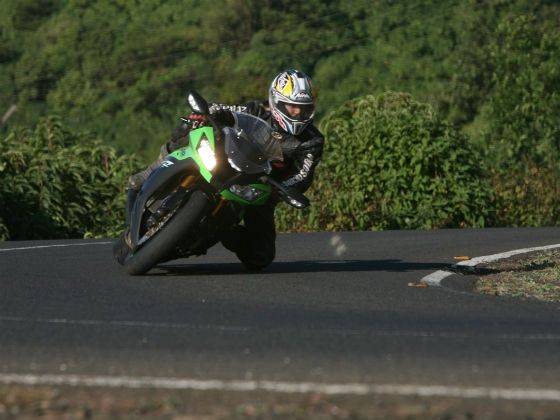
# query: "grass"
(535, 275)
(75, 403)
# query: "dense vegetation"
(489, 68)
(56, 183)
(392, 163)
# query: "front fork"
(186, 183)
(131, 195)
(192, 179)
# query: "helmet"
(292, 87)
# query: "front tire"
(165, 240)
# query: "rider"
(289, 110)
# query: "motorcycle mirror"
(197, 103)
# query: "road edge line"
(52, 246)
(527, 394)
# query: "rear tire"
(165, 240)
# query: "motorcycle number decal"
(166, 163)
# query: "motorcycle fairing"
(180, 162)
(190, 151)
(262, 198)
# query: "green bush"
(60, 184)
(523, 138)
(391, 163)
(3, 231)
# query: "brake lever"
(289, 195)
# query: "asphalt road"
(333, 308)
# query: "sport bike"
(202, 189)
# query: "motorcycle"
(202, 189)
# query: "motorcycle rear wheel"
(164, 241)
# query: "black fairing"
(159, 179)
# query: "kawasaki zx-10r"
(201, 190)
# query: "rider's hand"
(223, 117)
(193, 121)
(274, 197)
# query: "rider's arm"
(305, 155)
(179, 137)
(222, 113)
(256, 108)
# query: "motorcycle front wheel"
(164, 241)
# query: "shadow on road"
(282, 267)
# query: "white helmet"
(292, 87)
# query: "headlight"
(246, 192)
(207, 154)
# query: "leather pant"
(254, 243)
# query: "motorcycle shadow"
(292, 267)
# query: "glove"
(222, 116)
(190, 122)
(197, 117)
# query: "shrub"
(391, 163)
(523, 138)
(60, 184)
(3, 231)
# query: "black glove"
(223, 117)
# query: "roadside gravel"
(535, 275)
(74, 403)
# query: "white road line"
(242, 329)
(61, 321)
(490, 258)
(52, 246)
(283, 387)
(435, 278)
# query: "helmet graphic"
(291, 101)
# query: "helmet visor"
(296, 112)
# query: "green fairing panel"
(196, 135)
(228, 195)
(190, 151)
(182, 153)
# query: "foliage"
(524, 135)
(392, 163)
(58, 184)
(121, 69)
(480, 27)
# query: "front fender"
(171, 169)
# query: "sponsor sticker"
(303, 95)
(285, 85)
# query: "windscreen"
(250, 144)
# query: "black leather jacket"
(302, 153)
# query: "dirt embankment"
(72, 403)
